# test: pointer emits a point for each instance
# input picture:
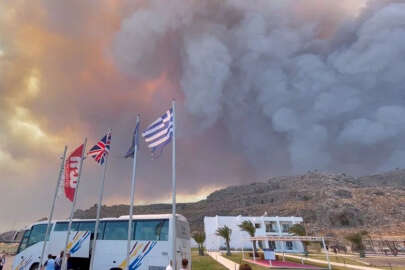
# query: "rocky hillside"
(327, 202)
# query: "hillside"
(327, 202)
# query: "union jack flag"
(101, 149)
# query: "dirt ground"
(384, 261)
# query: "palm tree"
(249, 227)
(357, 242)
(199, 238)
(225, 232)
(299, 229)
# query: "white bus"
(150, 243)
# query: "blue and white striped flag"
(159, 133)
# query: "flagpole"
(131, 203)
(100, 199)
(174, 249)
(64, 263)
(63, 157)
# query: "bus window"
(183, 230)
(87, 226)
(100, 232)
(116, 230)
(37, 234)
(24, 241)
(63, 226)
(152, 230)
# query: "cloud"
(318, 78)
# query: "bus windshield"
(37, 234)
(34, 235)
(24, 241)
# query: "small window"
(24, 241)
(152, 230)
(257, 225)
(37, 234)
(260, 244)
(272, 245)
(270, 227)
(286, 228)
(289, 245)
(116, 230)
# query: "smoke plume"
(298, 84)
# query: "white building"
(265, 226)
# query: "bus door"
(78, 245)
(154, 236)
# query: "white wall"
(239, 239)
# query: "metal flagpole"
(100, 199)
(63, 157)
(174, 249)
(327, 253)
(131, 204)
(64, 263)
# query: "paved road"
(224, 261)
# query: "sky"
(262, 88)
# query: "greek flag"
(159, 133)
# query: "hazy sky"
(263, 88)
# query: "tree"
(199, 238)
(225, 232)
(299, 229)
(357, 242)
(249, 227)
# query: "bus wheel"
(35, 266)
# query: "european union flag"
(135, 141)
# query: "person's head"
(50, 256)
(68, 255)
(170, 263)
(61, 253)
(245, 267)
(184, 262)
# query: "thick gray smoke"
(298, 84)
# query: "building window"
(257, 225)
(289, 245)
(270, 227)
(272, 245)
(285, 227)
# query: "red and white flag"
(72, 172)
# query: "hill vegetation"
(327, 202)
